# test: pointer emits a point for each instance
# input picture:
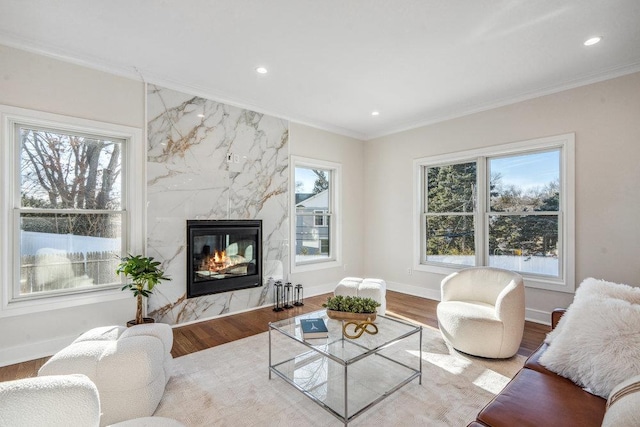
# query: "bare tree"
(63, 171)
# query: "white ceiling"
(332, 62)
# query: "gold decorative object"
(359, 328)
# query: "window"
(523, 215)
(509, 207)
(69, 216)
(315, 226)
(320, 219)
(450, 213)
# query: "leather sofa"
(539, 397)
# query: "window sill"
(313, 266)
(535, 282)
(29, 306)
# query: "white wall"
(41, 83)
(309, 142)
(606, 120)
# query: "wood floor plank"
(210, 333)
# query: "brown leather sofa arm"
(556, 314)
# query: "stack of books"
(313, 328)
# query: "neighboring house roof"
(319, 200)
(300, 197)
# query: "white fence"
(547, 266)
(55, 261)
(31, 242)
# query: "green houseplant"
(348, 307)
(145, 274)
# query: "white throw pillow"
(623, 404)
(598, 346)
(600, 288)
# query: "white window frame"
(133, 202)
(566, 144)
(334, 214)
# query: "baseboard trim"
(24, 353)
(416, 291)
(538, 316)
(531, 314)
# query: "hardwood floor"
(210, 333)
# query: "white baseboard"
(417, 291)
(531, 314)
(538, 316)
(36, 350)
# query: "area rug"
(229, 385)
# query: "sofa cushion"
(599, 345)
(536, 399)
(591, 287)
(623, 403)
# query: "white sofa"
(129, 366)
(59, 401)
(481, 311)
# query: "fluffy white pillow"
(598, 346)
(623, 403)
(599, 288)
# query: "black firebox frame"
(207, 287)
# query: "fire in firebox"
(219, 264)
(223, 255)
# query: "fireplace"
(223, 255)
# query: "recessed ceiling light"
(261, 70)
(375, 113)
(592, 41)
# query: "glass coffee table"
(346, 376)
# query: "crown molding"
(132, 72)
(550, 90)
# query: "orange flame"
(219, 257)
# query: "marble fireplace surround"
(208, 160)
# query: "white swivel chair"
(481, 311)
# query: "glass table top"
(390, 330)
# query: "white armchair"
(481, 311)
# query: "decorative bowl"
(345, 315)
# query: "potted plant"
(145, 274)
(351, 308)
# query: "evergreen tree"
(321, 183)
